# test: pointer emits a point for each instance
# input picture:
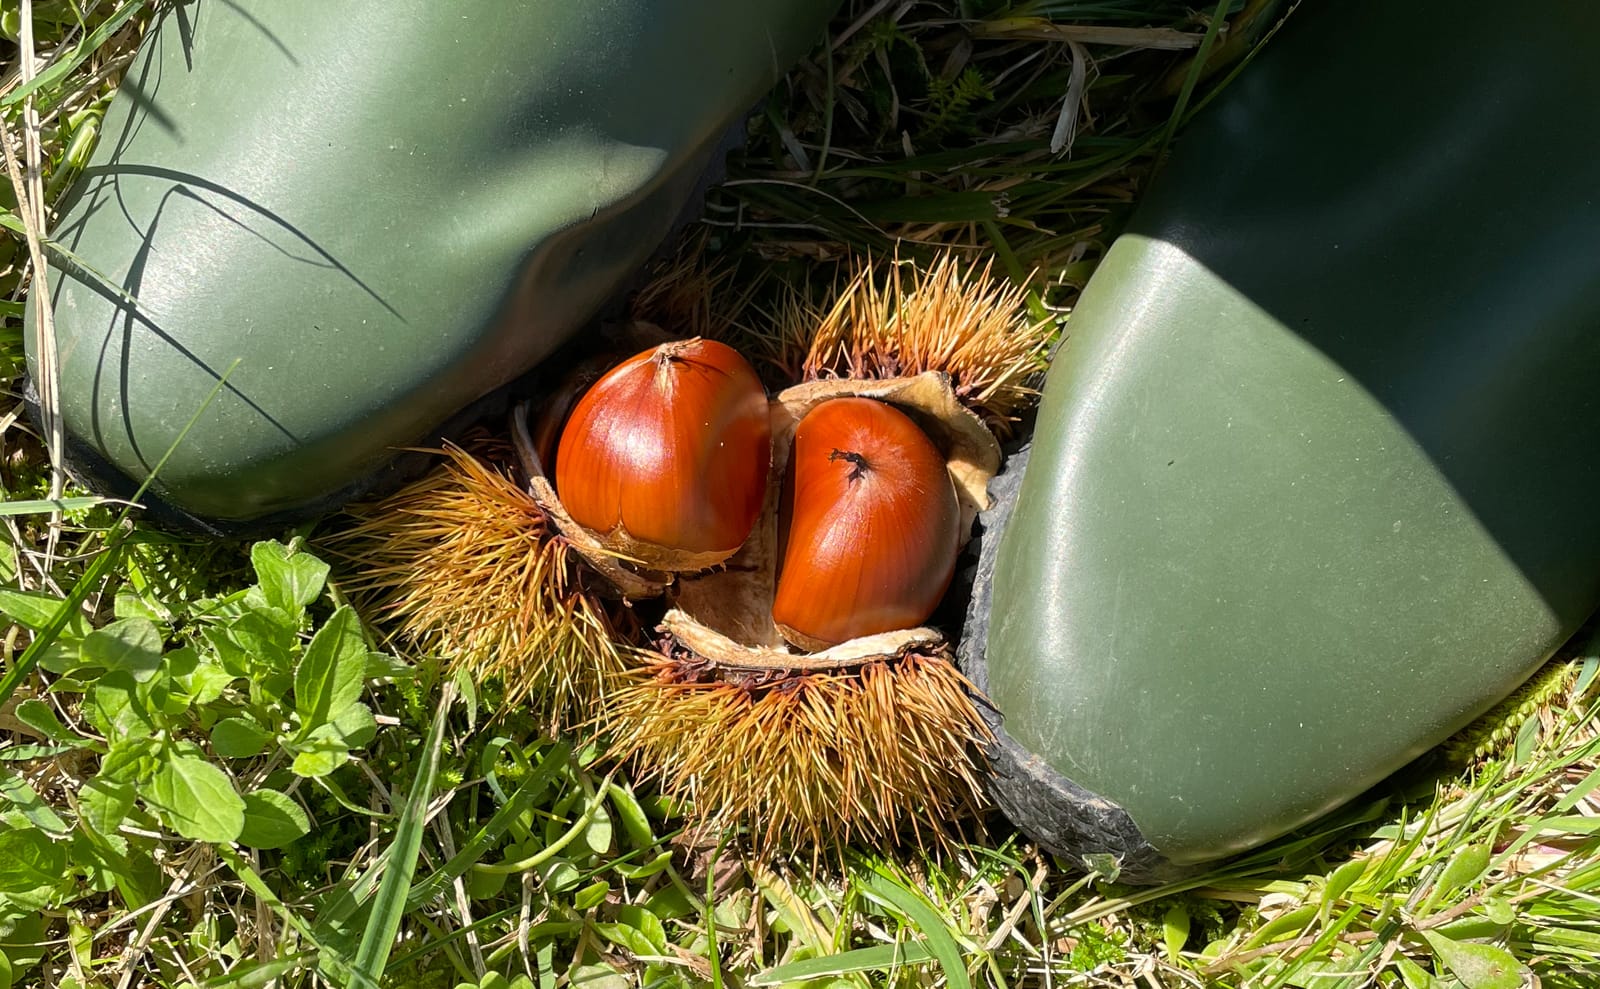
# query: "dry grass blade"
(463, 564)
(28, 183)
(818, 760)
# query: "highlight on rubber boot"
(724, 544)
(1312, 483)
(351, 266)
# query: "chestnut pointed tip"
(859, 464)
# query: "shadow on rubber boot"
(368, 217)
(1313, 483)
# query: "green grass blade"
(63, 67)
(937, 939)
(390, 904)
(44, 506)
(484, 841)
(1196, 69)
(875, 958)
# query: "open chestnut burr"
(752, 605)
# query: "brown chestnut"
(873, 525)
(665, 458)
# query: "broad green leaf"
(328, 678)
(130, 644)
(272, 820)
(24, 939)
(230, 653)
(105, 804)
(266, 641)
(1343, 878)
(131, 760)
(289, 579)
(27, 753)
(873, 959)
(39, 716)
(1175, 930)
(630, 814)
(597, 836)
(6, 975)
(646, 923)
(644, 870)
(355, 725)
(116, 708)
(626, 937)
(321, 760)
(25, 798)
(201, 680)
(30, 863)
(557, 875)
(383, 666)
(1282, 926)
(35, 610)
(129, 604)
(1319, 973)
(196, 799)
(597, 976)
(239, 738)
(61, 657)
(591, 895)
(1478, 966)
(483, 885)
(670, 903)
(1499, 911)
(1471, 927)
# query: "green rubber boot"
(1314, 479)
(369, 216)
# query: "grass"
(216, 777)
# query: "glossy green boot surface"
(1314, 478)
(367, 216)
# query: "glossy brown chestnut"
(873, 526)
(665, 458)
